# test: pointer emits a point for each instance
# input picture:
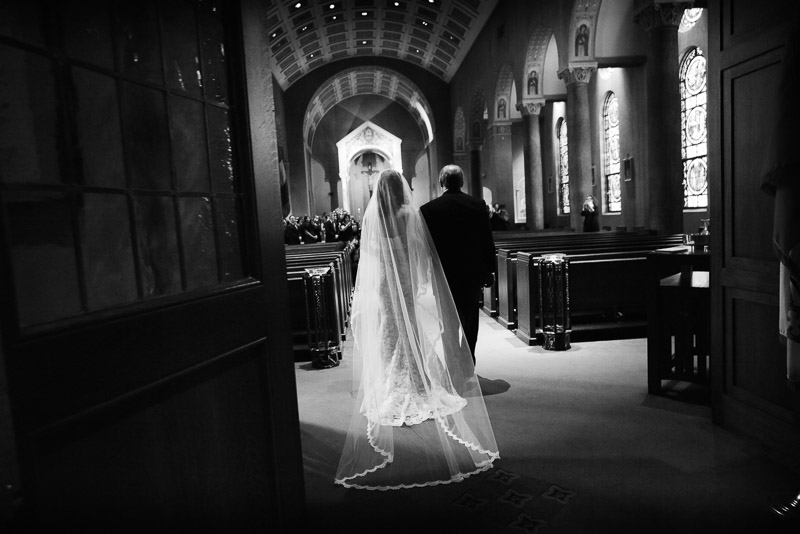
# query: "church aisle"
(583, 446)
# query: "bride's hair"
(390, 190)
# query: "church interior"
(171, 361)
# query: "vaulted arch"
(305, 35)
(533, 72)
(359, 81)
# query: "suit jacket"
(462, 234)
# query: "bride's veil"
(419, 417)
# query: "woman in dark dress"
(589, 212)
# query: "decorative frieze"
(501, 129)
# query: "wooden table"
(678, 317)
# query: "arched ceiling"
(432, 34)
(368, 81)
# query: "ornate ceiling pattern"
(367, 81)
(433, 34)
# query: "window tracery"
(613, 189)
(694, 129)
(563, 167)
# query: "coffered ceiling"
(433, 34)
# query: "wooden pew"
(342, 267)
(490, 298)
(608, 295)
(341, 287)
(336, 289)
(508, 239)
(506, 280)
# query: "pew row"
(498, 300)
(607, 286)
(607, 296)
(325, 306)
(507, 258)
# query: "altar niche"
(363, 154)
(364, 171)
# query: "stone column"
(664, 168)
(498, 165)
(578, 138)
(534, 187)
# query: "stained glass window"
(611, 153)
(689, 18)
(694, 130)
(563, 167)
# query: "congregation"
(340, 225)
(337, 225)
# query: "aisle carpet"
(583, 446)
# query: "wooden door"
(746, 41)
(147, 358)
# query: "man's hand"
(489, 282)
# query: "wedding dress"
(419, 417)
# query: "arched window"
(563, 167)
(694, 130)
(611, 153)
(689, 19)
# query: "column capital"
(530, 106)
(651, 14)
(577, 73)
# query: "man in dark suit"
(459, 226)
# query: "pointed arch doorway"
(363, 154)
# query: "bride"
(419, 418)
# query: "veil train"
(419, 418)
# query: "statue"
(533, 82)
(582, 41)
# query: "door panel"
(750, 92)
(63, 375)
(147, 359)
(758, 362)
(746, 42)
(125, 456)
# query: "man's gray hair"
(451, 177)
